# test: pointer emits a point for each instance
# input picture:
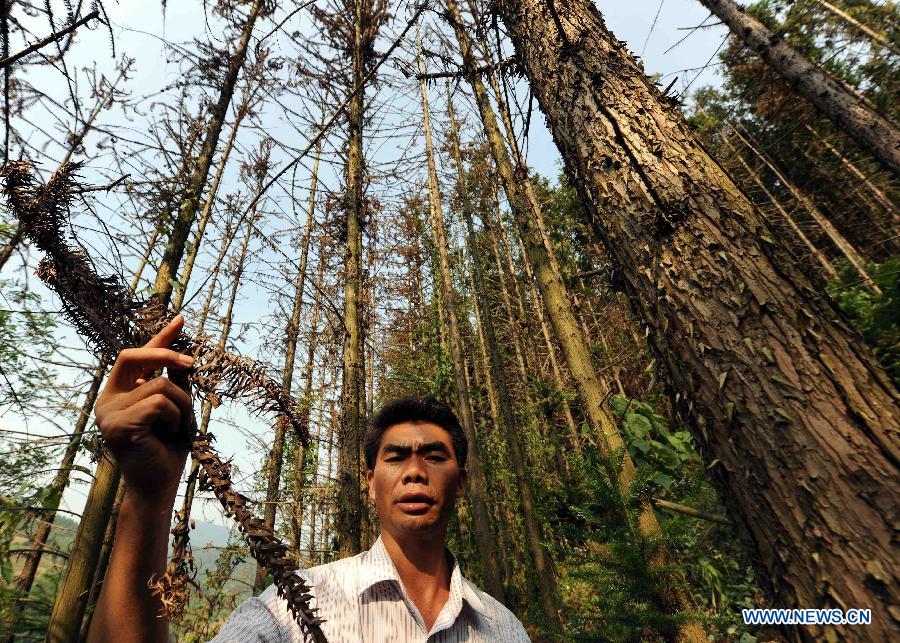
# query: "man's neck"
(421, 562)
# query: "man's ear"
(370, 479)
(462, 483)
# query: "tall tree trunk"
(877, 37)
(857, 173)
(793, 406)
(477, 489)
(839, 240)
(187, 210)
(72, 595)
(350, 506)
(849, 111)
(785, 215)
(306, 398)
(273, 468)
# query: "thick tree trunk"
(350, 506)
(800, 418)
(850, 113)
(71, 597)
(528, 219)
(477, 489)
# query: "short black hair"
(417, 408)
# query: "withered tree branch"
(484, 69)
(43, 42)
(104, 311)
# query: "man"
(408, 587)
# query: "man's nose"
(415, 470)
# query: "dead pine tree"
(849, 111)
(800, 418)
(306, 400)
(275, 457)
(477, 492)
(351, 28)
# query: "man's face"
(416, 479)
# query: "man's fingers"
(157, 386)
(167, 335)
(134, 363)
(138, 420)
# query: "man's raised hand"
(139, 415)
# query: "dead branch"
(43, 42)
(484, 69)
(689, 511)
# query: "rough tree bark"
(850, 113)
(800, 418)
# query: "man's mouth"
(414, 503)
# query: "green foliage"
(23, 326)
(610, 574)
(652, 446)
(875, 316)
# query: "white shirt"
(362, 599)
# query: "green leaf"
(637, 425)
(643, 445)
(618, 405)
(663, 480)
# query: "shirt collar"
(377, 567)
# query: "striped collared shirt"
(363, 599)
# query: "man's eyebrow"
(405, 449)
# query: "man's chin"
(418, 524)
